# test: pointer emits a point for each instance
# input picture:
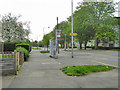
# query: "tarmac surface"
(41, 71)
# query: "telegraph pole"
(56, 39)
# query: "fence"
(11, 62)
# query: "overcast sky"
(41, 13)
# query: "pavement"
(41, 71)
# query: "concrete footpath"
(41, 71)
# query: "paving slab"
(41, 71)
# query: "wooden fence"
(11, 61)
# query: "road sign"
(58, 39)
(73, 34)
(58, 33)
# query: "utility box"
(52, 50)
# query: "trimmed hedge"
(25, 45)
(10, 46)
(44, 51)
(26, 52)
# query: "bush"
(25, 45)
(73, 47)
(26, 53)
(108, 48)
(44, 51)
(10, 46)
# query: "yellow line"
(103, 58)
(104, 63)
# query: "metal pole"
(72, 24)
(65, 41)
(43, 37)
(56, 40)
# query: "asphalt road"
(41, 71)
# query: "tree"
(100, 17)
(83, 24)
(12, 30)
(46, 39)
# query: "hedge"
(25, 45)
(10, 46)
(26, 52)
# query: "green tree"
(46, 39)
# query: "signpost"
(58, 33)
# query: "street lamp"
(44, 34)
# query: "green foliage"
(34, 44)
(10, 46)
(44, 51)
(25, 45)
(40, 43)
(26, 52)
(85, 69)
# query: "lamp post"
(44, 34)
(72, 24)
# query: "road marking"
(104, 63)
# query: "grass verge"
(85, 69)
(44, 51)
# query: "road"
(41, 71)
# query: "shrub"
(10, 46)
(25, 45)
(44, 51)
(26, 53)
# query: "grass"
(85, 69)
(44, 51)
(115, 49)
(20, 67)
(36, 48)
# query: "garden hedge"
(26, 52)
(25, 45)
(10, 46)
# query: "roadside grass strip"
(36, 48)
(44, 51)
(85, 69)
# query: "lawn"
(85, 69)
(36, 48)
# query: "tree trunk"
(85, 45)
(80, 45)
(47, 47)
(96, 43)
